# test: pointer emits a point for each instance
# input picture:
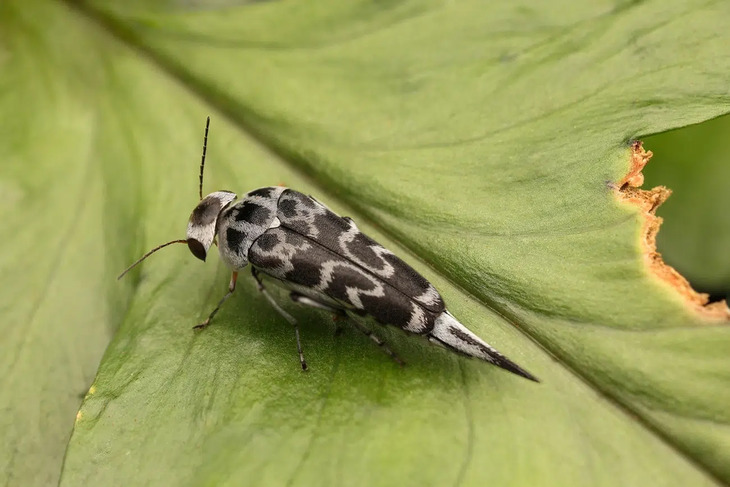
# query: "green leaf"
(58, 306)
(476, 141)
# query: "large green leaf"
(478, 142)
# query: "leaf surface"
(477, 142)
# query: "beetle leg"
(307, 301)
(283, 313)
(231, 288)
(338, 314)
(341, 315)
(378, 341)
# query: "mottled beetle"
(325, 262)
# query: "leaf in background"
(480, 138)
(58, 306)
(695, 235)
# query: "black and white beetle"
(325, 262)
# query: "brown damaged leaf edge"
(648, 201)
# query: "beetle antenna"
(202, 161)
(148, 254)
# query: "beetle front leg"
(231, 288)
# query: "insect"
(324, 261)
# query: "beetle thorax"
(242, 223)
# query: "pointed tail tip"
(503, 362)
(531, 377)
(516, 369)
(449, 332)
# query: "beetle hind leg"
(341, 315)
(378, 341)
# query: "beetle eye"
(197, 248)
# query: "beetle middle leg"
(338, 314)
(342, 314)
(231, 288)
(283, 313)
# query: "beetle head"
(203, 220)
(202, 223)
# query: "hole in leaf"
(694, 162)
